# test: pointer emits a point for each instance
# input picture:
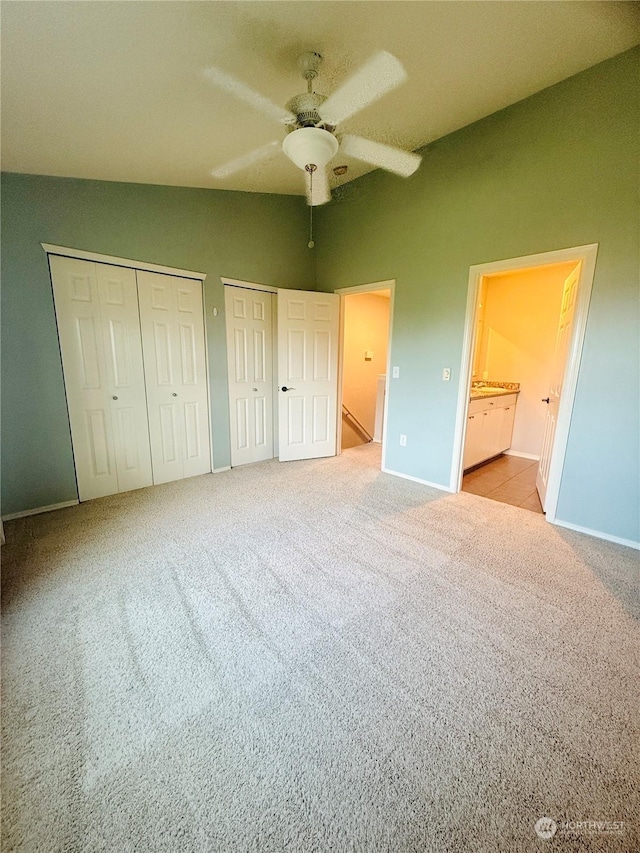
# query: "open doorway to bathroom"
(525, 328)
(517, 323)
(364, 353)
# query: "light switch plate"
(395, 372)
(446, 374)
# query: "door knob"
(114, 398)
(284, 388)
(174, 394)
(545, 399)
(255, 389)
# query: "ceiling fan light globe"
(310, 146)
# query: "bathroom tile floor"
(508, 479)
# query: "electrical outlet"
(395, 372)
(403, 441)
(446, 374)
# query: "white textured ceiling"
(114, 90)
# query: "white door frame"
(587, 256)
(99, 258)
(346, 291)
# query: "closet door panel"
(77, 302)
(118, 295)
(172, 326)
(250, 372)
(159, 345)
(193, 377)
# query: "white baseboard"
(417, 480)
(522, 455)
(38, 510)
(629, 543)
(220, 470)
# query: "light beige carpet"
(316, 656)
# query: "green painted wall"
(559, 169)
(246, 236)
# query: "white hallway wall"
(366, 329)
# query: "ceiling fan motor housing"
(305, 109)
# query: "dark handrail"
(347, 414)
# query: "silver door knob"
(114, 398)
(255, 389)
(174, 394)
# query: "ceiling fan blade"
(258, 155)
(379, 75)
(386, 157)
(236, 87)
(318, 191)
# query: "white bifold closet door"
(99, 331)
(172, 325)
(133, 356)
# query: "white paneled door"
(563, 340)
(99, 331)
(307, 373)
(249, 317)
(172, 322)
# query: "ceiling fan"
(311, 120)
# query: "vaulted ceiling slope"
(115, 91)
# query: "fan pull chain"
(311, 169)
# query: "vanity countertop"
(493, 389)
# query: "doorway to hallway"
(364, 355)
